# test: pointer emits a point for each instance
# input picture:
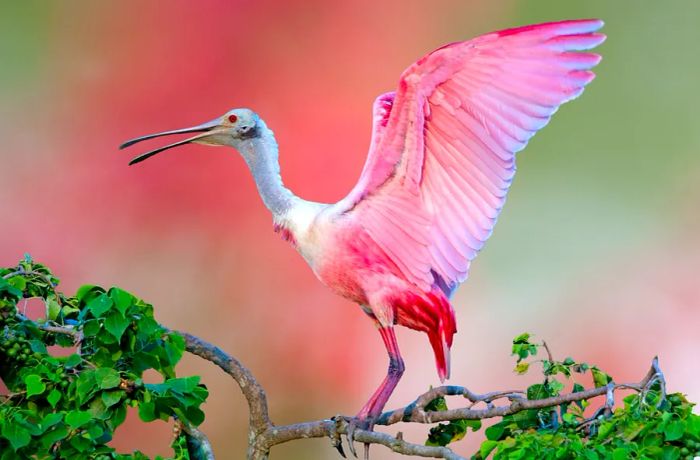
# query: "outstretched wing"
(441, 163)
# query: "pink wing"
(443, 150)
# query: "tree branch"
(264, 434)
(259, 418)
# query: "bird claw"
(354, 423)
(336, 440)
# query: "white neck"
(261, 155)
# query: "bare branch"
(327, 428)
(549, 352)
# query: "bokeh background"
(597, 250)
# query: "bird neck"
(261, 155)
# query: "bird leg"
(373, 408)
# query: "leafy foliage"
(650, 425)
(67, 407)
(445, 433)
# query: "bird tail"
(440, 335)
(431, 313)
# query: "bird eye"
(232, 118)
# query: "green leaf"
(98, 409)
(73, 361)
(53, 308)
(495, 432)
(85, 386)
(77, 418)
(50, 420)
(80, 444)
(195, 416)
(671, 453)
(122, 299)
(87, 292)
(143, 361)
(118, 416)
(537, 391)
(18, 282)
(486, 448)
(53, 397)
(116, 324)
(91, 328)
(436, 404)
(174, 347)
(147, 411)
(674, 430)
(100, 305)
(522, 338)
(440, 435)
(95, 432)
(68, 311)
(38, 346)
(34, 385)
(10, 289)
(17, 435)
(183, 384)
(147, 327)
(107, 378)
(111, 398)
(600, 378)
(522, 367)
(694, 425)
(555, 387)
(54, 435)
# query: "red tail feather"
(434, 315)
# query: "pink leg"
(373, 408)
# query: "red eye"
(232, 118)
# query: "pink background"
(596, 251)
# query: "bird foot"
(352, 425)
(336, 440)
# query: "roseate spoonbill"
(440, 162)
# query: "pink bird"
(440, 162)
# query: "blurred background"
(597, 250)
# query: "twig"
(66, 330)
(21, 271)
(549, 352)
(14, 273)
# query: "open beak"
(205, 130)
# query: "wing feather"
(443, 148)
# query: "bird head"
(232, 128)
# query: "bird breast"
(300, 227)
